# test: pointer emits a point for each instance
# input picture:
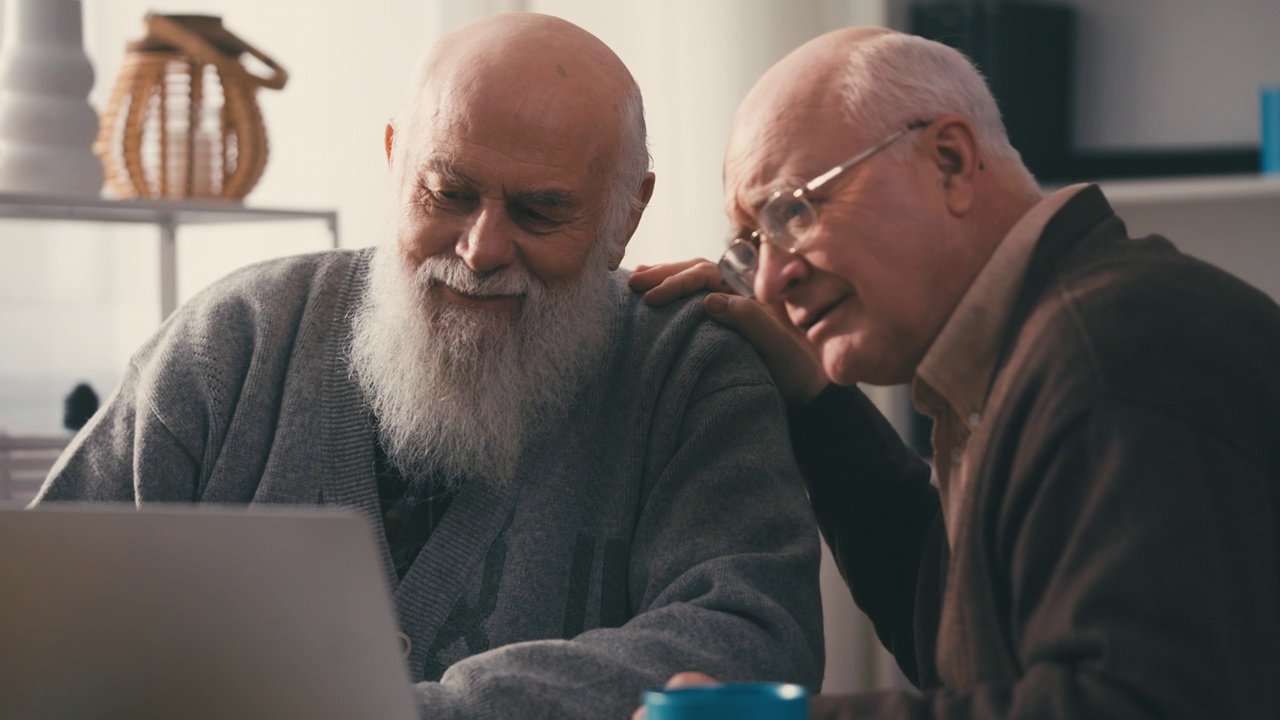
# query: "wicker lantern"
(182, 121)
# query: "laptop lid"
(195, 612)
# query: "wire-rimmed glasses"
(786, 219)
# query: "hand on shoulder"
(791, 360)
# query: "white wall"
(1156, 74)
(1240, 235)
(60, 307)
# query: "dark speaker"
(1026, 50)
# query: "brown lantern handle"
(166, 29)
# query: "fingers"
(750, 318)
(791, 360)
(665, 283)
(690, 679)
(684, 284)
(679, 680)
(787, 354)
(647, 276)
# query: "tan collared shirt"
(951, 382)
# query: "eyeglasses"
(787, 218)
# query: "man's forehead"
(744, 199)
(495, 156)
(784, 126)
(556, 128)
(522, 45)
(532, 108)
(538, 81)
(775, 152)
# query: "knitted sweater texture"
(662, 526)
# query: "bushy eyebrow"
(752, 201)
(742, 217)
(547, 198)
(446, 169)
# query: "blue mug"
(1270, 96)
(734, 701)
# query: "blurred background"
(1159, 98)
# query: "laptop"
(110, 612)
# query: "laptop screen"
(195, 612)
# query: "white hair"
(631, 165)
(895, 78)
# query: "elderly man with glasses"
(1101, 539)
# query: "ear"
(953, 149)
(645, 192)
(391, 133)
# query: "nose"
(488, 242)
(779, 272)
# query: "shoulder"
(254, 314)
(273, 293)
(279, 285)
(679, 339)
(1146, 325)
(1136, 308)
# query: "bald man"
(578, 494)
(1103, 538)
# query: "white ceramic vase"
(47, 126)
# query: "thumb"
(792, 362)
(690, 679)
(749, 318)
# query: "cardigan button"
(405, 644)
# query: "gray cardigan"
(662, 527)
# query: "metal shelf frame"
(1179, 190)
(1126, 192)
(167, 215)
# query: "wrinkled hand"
(662, 284)
(684, 679)
(791, 360)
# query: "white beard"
(457, 392)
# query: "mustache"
(453, 272)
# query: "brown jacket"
(1119, 555)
